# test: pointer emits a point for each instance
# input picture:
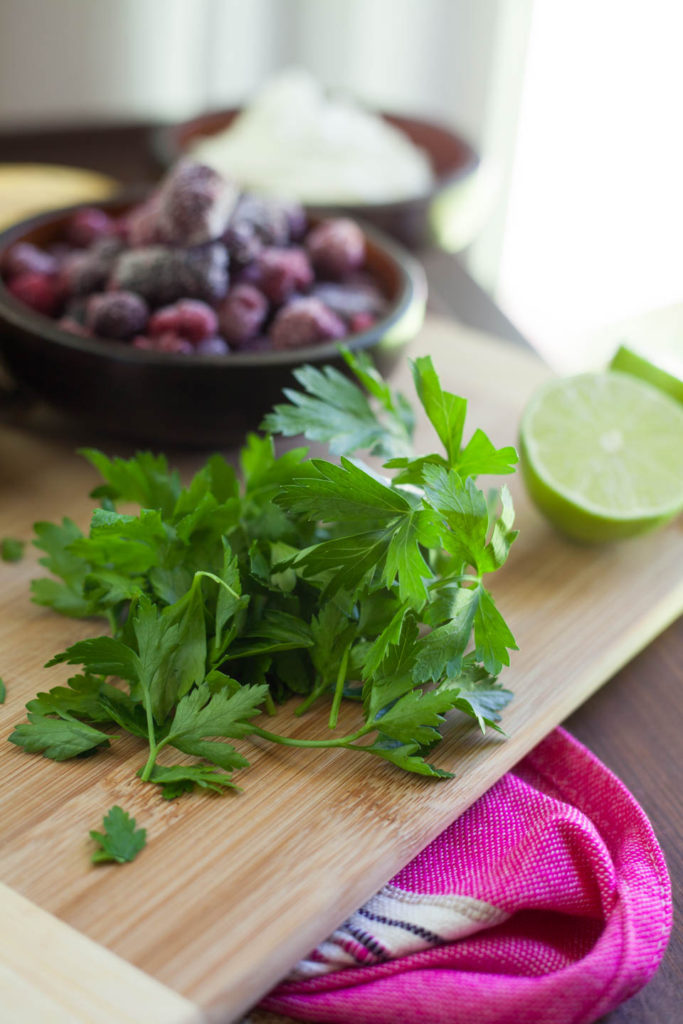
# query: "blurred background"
(575, 220)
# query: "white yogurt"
(294, 140)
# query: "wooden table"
(635, 722)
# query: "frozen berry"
(347, 300)
(139, 226)
(242, 242)
(283, 272)
(162, 274)
(188, 318)
(84, 271)
(168, 342)
(24, 258)
(87, 226)
(305, 321)
(41, 292)
(267, 217)
(195, 205)
(242, 313)
(213, 347)
(360, 322)
(67, 323)
(336, 247)
(116, 314)
(296, 219)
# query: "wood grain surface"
(231, 891)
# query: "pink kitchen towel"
(547, 902)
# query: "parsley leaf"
(121, 841)
(12, 550)
(303, 578)
(3, 691)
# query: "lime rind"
(602, 455)
(628, 360)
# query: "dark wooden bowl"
(453, 161)
(194, 400)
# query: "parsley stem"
(153, 748)
(289, 741)
(339, 688)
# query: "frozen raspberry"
(360, 322)
(162, 274)
(283, 272)
(213, 347)
(87, 270)
(349, 299)
(87, 226)
(41, 292)
(188, 318)
(336, 247)
(196, 204)
(24, 258)
(242, 313)
(67, 323)
(303, 322)
(116, 314)
(267, 217)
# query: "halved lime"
(602, 455)
(658, 369)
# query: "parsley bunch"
(317, 580)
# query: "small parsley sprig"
(121, 841)
(306, 579)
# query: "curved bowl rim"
(412, 287)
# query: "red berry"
(41, 292)
(188, 318)
(336, 247)
(283, 272)
(360, 322)
(305, 321)
(242, 313)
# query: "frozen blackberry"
(163, 275)
(116, 314)
(195, 205)
(87, 226)
(336, 247)
(267, 217)
(41, 292)
(242, 313)
(188, 318)
(24, 258)
(283, 272)
(305, 321)
(87, 270)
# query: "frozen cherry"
(41, 292)
(283, 272)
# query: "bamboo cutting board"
(231, 891)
